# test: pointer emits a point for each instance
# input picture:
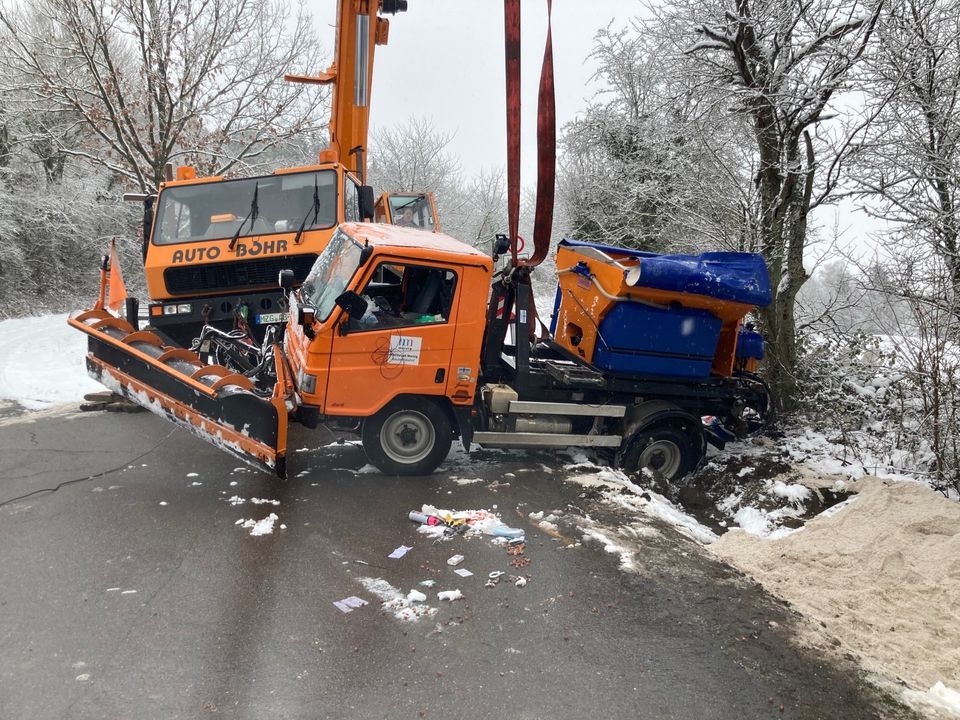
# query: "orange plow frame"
(209, 400)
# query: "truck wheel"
(669, 451)
(410, 436)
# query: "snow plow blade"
(208, 400)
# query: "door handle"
(441, 373)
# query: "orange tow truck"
(213, 246)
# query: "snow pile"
(259, 527)
(882, 574)
(42, 362)
(639, 499)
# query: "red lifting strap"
(546, 138)
(511, 33)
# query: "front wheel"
(410, 436)
(667, 451)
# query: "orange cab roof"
(420, 242)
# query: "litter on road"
(450, 595)
(349, 604)
(463, 572)
(455, 560)
(399, 552)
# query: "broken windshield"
(331, 274)
(216, 210)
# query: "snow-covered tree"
(185, 81)
(639, 167)
(783, 66)
(908, 166)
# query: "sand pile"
(882, 573)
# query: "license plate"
(269, 318)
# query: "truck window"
(400, 295)
(351, 201)
(411, 211)
(331, 274)
(214, 211)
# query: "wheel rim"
(407, 437)
(662, 457)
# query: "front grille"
(223, 277)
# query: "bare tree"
(908, 166)
(780, 64)
(640, 167)
(411, 157)
(155, 81)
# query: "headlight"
(169, 309)
(307, 382)
(183, 309)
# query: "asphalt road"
(136, 594)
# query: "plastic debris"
(443, 524)
(496, 575)
(416, 596)
(450, 595)
(520, 581)
(349, 604)
(455, 560)
(463, 572)
(428, 583)
(399, 552)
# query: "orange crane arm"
(359, 30)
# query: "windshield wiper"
(316, 213)
(411, 201)
(251, 216)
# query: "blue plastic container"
(642, 340)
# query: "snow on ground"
(882, 575)
(410, 607)
(42, 362)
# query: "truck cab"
(385, 312)
(215, 246)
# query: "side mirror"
(354, 305)
(366, 202)
(286, 279)
(501, 245)
(365, 252)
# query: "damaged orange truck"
(404, 337)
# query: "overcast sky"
(445, 62)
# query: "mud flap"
(208, 400)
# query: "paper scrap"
(455, 560)
(399, 552)
(349, 604)
(463, 572)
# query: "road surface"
(136, 594)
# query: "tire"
(670, 451)
(410, 436)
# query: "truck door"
(402, 345)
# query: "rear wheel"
(410, 436)
(667, 451)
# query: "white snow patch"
(796, 494)
(466, 481)
(259, 527)
(42, 362)
(193, 474)
(939, 698)
(393, 601)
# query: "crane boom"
(360, 28)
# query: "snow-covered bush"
(890, 401)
